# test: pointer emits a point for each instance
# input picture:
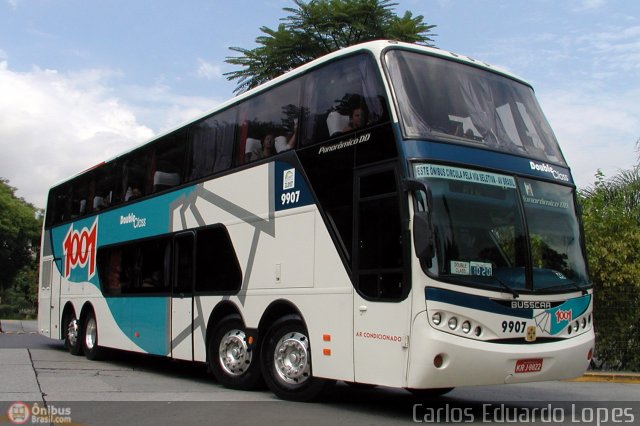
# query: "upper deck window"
(444, 99)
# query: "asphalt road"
(134, 389)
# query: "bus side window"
(342, 97)
(217, 266)
(211, 144)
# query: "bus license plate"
(528, 365)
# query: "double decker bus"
(389, 214)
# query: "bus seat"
(336, 122)
(162, 180)
(99, 203)
(281, 143)
(253, 145)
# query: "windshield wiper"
(571, 283)
(511, 290)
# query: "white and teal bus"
(389, 214)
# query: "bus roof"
(375, 47)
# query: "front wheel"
(286, 361)
(232, 359)
(90, 337)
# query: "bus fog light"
(438, 361)
(453, 323)
(437, 318)
(466, 327)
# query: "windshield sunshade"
(448, 100)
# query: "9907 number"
(511, 326)
(290, 197)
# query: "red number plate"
(528, 365)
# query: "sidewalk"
(18, 326)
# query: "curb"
(603, 377)
(0, 326)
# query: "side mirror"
(423, 236)
(422, 229)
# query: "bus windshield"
(443, 99)
(496, 230)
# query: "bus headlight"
(453, 323)
(437, 318)
(466, 327)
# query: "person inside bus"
(356, 120)
(270, 145)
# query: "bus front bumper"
(468, 362)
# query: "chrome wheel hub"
(292, 361)
(234, 354)
(91, 334)
(72, 332)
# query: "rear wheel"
(232, 359)
(286, 361)
(90, 337)
(71, 330)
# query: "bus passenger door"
(382, 308)
(182, 297)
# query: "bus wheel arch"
(286, 355)
(70, 329)
(229, 351)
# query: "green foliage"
(611, 217)
(318, 27)
(19, 243)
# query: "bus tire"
(286, 361)
(232, 360)
(90, 337)
(71, 330)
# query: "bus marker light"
(326, 352)
(437, 318)
(438, 361)
(136, 334)
(453, 323)
(326, 337)
(590, 354)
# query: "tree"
(611, 217)
(19, 234)
(318, 27)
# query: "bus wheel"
(233, 361)
(72, 334)
(286, 361)
(90, 337)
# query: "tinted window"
(217, 267)
(212, 144)
(269, 122)
(167, 161)
(343, 97)
(141, 267)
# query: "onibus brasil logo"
(79, 248)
